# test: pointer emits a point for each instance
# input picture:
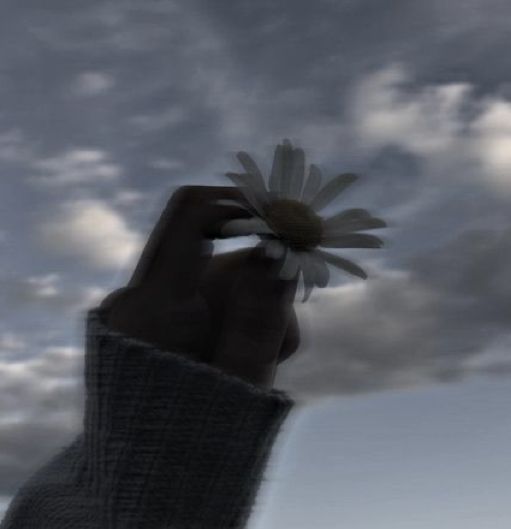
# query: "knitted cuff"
(171, 442)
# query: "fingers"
(256, 322)
(216, 285)
(179, 246)
(291, 340)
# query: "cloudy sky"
(106, 107)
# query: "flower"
(286, 217)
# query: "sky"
(107, 107)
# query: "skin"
(230, 310)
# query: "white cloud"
(494, 359)
(77, 166)
(42, 399)
(425, 122)
(92, 231)
(44, 286)
(14, 147)
(433, 122)
(491, 140)
(17, 290)
(89, 84)
(127, 197)
(45, 292)
(25, 382)
(166, 164)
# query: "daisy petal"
(276, 170)
(245, 182)
(371, 223)
(352, 220)
(287, 169)
(251, 168)
(347, 215)
(342, 263)
(308, 276)
(240, 227)
(331, 190)
(312, 185)
(274, 249)
(297, 176)
(290, 265)
(351, 240)
(321, 271)
(307, 290)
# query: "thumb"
(257, 318)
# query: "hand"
(229, 310)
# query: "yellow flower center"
(294, 222)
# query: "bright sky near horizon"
(420, 458)
(106, 107)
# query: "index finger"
(180, 241)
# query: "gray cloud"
(443, 316)
(47, 293)
(459, 137)
(77, 166)
(42, 399)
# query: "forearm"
(166, 441)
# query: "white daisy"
(286, 217)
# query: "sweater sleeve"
(167, 443)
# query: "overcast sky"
(106, 107)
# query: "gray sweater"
(167, 443)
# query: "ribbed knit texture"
(167, 443)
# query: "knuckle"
(185, 196)
(113, 298)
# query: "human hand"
(229, 310)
